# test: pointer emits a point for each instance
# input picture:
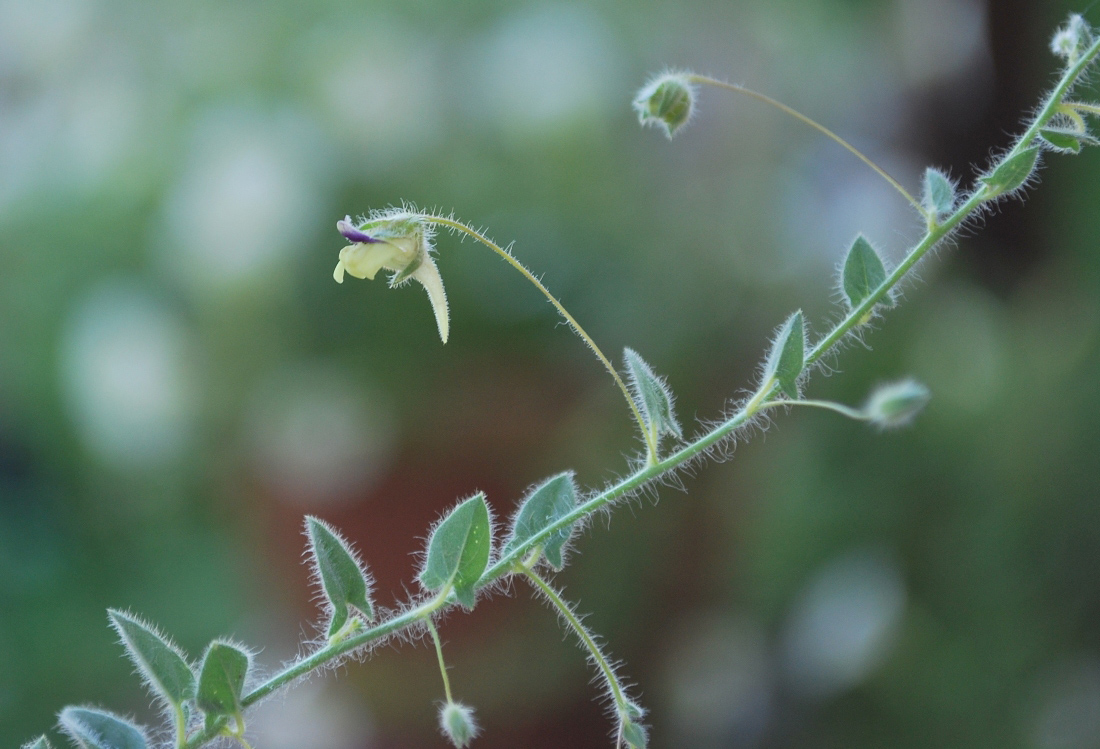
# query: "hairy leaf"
(939, 193)
(163, 667)
(345, 582)
(39, 743)
(221, 679)
(90, 728)
(652, 396)
(1060, 140)
(458, 550)
(545, 504)
(863, 271)
(787, 357)
(1065, 141)
(1012, 173)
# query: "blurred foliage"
(180, 379)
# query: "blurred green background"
(181, 380)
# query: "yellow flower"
(398, 242)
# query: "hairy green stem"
(650, 439)
(695, 78)
(439, 654)
(586, 638)
(331, 652)
(587, 641)
(840, 408)
(937, 232)
(764, 397)
(1082, 107)
(181, 726)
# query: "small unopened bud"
(635, 735)
(631, 728)
(667, 101)
(456, 721)
(1072, 39)
(634, 711)
(895, 405)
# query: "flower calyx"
(666, 102)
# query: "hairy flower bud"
(667, 101)
(895, 405)
(1072, 39)
(456, 721)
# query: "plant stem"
(694, 78)
(1070, 111)
(1083, 107)
(439, 655)
(181, 727)
(763, 398)
(651, 443)
(586, 638)
(840, 408)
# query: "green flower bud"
(667, 101)
(895, 405)
(634, 734)
(456, 721)
(631, 728)
(1072, 39)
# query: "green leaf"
(787, 357)
(939, 193)
(1069, 141)
(634, 735)
(1064, 141)
(651, 394)
(1012, 173)
(39, 743)
(458, 550)
(221, 679)
(863, 272)
(90, 728)
(343, 579)
(162, 665)
(547, 503)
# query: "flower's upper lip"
(353, 234)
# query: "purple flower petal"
(349, 231)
